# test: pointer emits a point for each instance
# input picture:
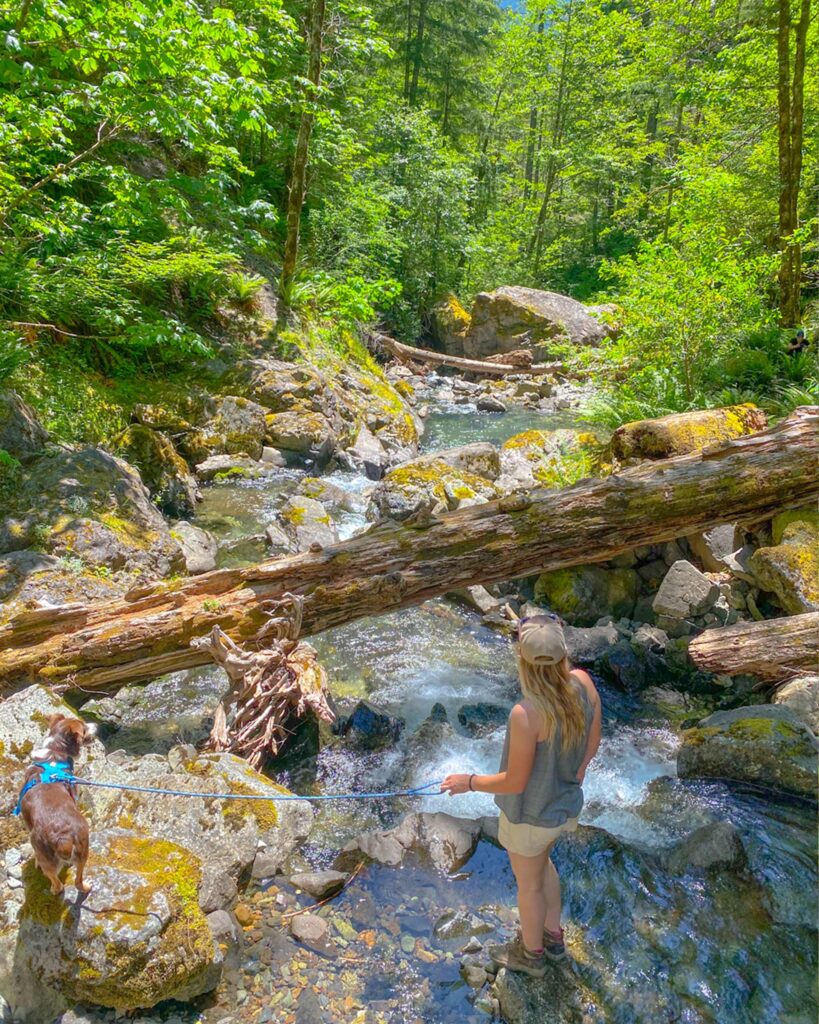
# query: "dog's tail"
(65, 850)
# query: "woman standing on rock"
(553, 734)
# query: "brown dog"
(58, 832)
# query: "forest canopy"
(157, 158)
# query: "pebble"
(407, 943)
(244, 915)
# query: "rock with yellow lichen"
(237, 428)
(551, 458)
(426, 486)
(763, 744)
(138, 939)
(685, 432)
(790, 569)
(306, 522)
(163, 470)
(451, 323)
(90, 506)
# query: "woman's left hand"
(455, 784)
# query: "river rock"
(490, 403)
(30, 578)
(87, 504)
(319, 884)
(370, 727)
(225, 467)
(301, 433)
(713, 548)
(306, 522)
(237, 428)
(583, 594)
(199, 548)
(369, 454)
(790, 569)
(587, 643)
(157, 947)
(480, 458)
(685, 592)
(21, 433)
(717, 845)
(685, 432)
(801, 695)
(312, 931)
(477, 598)
(163, 470)
(331, 496)
(549, 458)
(481, 719)
(428, 485)
(763, 744)
(622, 665)
(512, 318)
(443, 840)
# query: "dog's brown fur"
(58, 832)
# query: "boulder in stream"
(801, 695)
(764, 744)
(163, 470)
(445, 841)
(426, 485)
(199, 547)
(140, 937)
(584, 594)
(237, 428)
(790, 569)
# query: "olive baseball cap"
(541, 640)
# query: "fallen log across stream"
(149, 632)
(407, 354)
(771, 650)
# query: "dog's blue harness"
(52, 771)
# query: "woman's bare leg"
(530, 874)
(551, 891)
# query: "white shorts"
(530, 840)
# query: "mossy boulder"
(550, 458)
(305, 521)
(89, 505)
(450, 324)
(300, 431)
(163, 470)
(685, 432)
(512, 318)
(763, 744)
(158, 417)
(237, 428)
(151, 941)
(425, 486)
(227, 833)
(790, 569)
(21, 433)
(583, 594)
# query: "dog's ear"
(54, 719)
(90, 732)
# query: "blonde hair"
(548, 687)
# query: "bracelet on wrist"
(471, 777)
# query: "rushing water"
(646, 946)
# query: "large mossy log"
(771, 650)
(149, 632)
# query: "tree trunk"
(772, 650)
(790, 96)
(298, 174)
(418, 53)
(149, 632)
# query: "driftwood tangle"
(772, 650)
(407, 354)
(149, 632)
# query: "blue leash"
(61, 772)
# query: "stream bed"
(647, 945)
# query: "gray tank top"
(552, 794)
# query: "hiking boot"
(553, 947)
(514, 957)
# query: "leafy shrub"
(752, 367)
(13, 354)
